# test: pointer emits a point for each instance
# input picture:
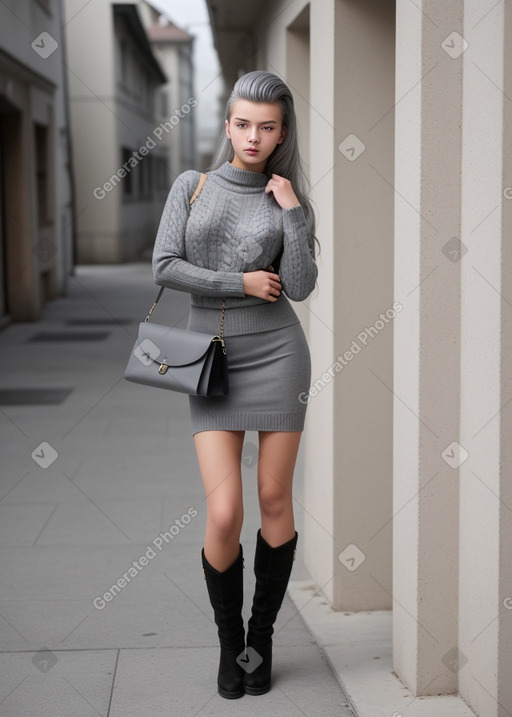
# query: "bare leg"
(219, 455)
(276, 465)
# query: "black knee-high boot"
(272, 567)
(225, 590)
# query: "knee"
(226, 520)
(273, 500)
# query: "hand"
(263, 284)
(283, 192)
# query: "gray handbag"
(178, 359)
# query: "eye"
(241, 125)
(270, 128)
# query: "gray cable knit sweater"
(231, 228)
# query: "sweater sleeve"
(297, 270)
(170, 267)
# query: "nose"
(253, 135)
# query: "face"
(255, 129)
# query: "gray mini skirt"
(269, 378)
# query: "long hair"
(285, 160)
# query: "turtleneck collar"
(241, 177)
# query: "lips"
(252, 151)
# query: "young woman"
(246, 241)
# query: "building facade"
(36, 190)
(405, 119)
(177, 98)
(119, 158)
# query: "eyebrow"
(241, 119)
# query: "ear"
(226, 126)
(282, 136)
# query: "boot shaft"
(226, 592)
(272, 568)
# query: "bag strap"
(200, 185)
(202, 179)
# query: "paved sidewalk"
(105, 483)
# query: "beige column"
(426, 346)
(485, 567)
(348, 456)
(318, 539)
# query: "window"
(127, 182)
(123, 52)
(161, 179)
(42, 179)
(164, 103)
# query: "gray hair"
(285, 160)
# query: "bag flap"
(175, 347)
